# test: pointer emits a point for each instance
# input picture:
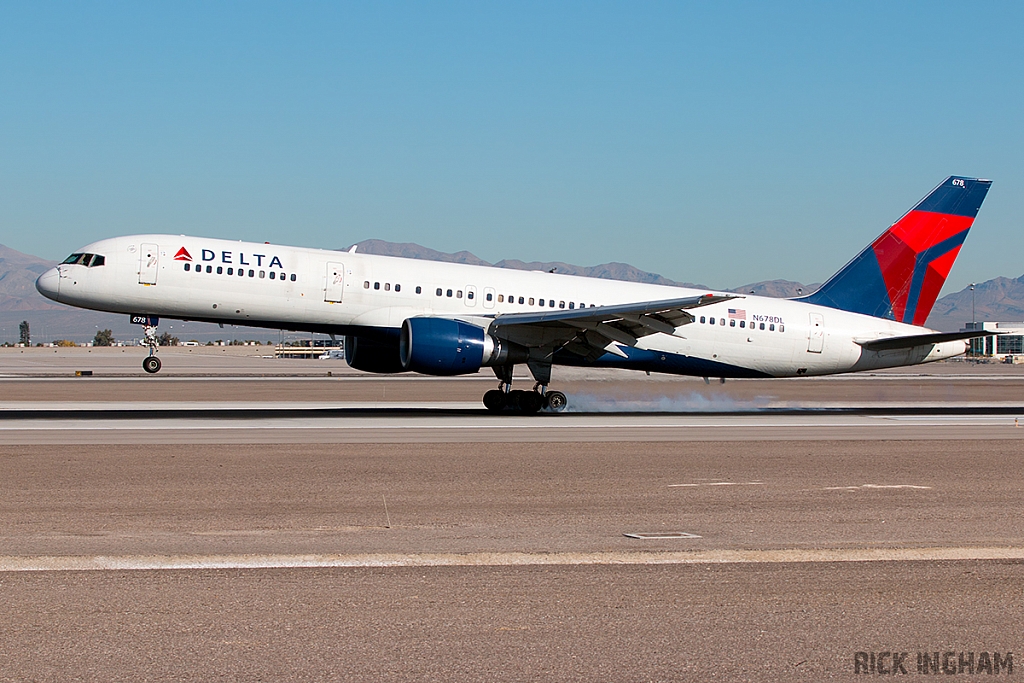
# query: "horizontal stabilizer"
(908, 342)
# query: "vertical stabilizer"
(899, 275)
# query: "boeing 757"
(405, 315)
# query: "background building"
(1010, 343)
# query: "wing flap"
(650, 314)
(592, 332)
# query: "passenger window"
(771, 327)
(366, 284)
(376, 285)
(209, 269)
(220, 270)
(292, 277)
(522, 300)
(252, 273)
(561, 304)
(272, 274)
(721, 321)
(712, 321)
(188, 266)
(702, 320)
(782, 328)
(470, 294)
(231, 271)
(398, 288)
(458, 294)
(743, 323)
(387, 286)
(439, 291)
(419, 290)
(540, 301)
(572, 305)
(551, 303)
(762, 326)
(732, 323)
(262, 273)
(490, 296)
(531, 300)
(501, 298)
(449, 293)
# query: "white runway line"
(719, 483)
(505, 559)
(874, 486)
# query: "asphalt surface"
(416, 538)
(802, 622)
(787, 616)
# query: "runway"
(200, 532)
(411, 423)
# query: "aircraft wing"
(590, 332)
(910, 341)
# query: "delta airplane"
(406, 315)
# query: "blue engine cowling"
(439, 346)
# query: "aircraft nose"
(48, 283)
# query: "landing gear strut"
(151, 363)
(526, 402)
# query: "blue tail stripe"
(921, 268)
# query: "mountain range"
(999, 299)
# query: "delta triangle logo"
(183, 255)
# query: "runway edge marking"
(12, 563)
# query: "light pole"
(974, 324)
(973, 319)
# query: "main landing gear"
(151, 363)
(505, 398)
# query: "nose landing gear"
(151, 363)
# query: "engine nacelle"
(371, 354)
(440, 346)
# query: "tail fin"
(899, 275)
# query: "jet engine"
(372, 354)
(440, 346)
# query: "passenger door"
(816, 336)
(149, 262)
(335, 283)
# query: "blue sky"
(721, 143)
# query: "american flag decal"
(737, 314)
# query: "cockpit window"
(88, 260)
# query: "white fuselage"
(345, 293)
